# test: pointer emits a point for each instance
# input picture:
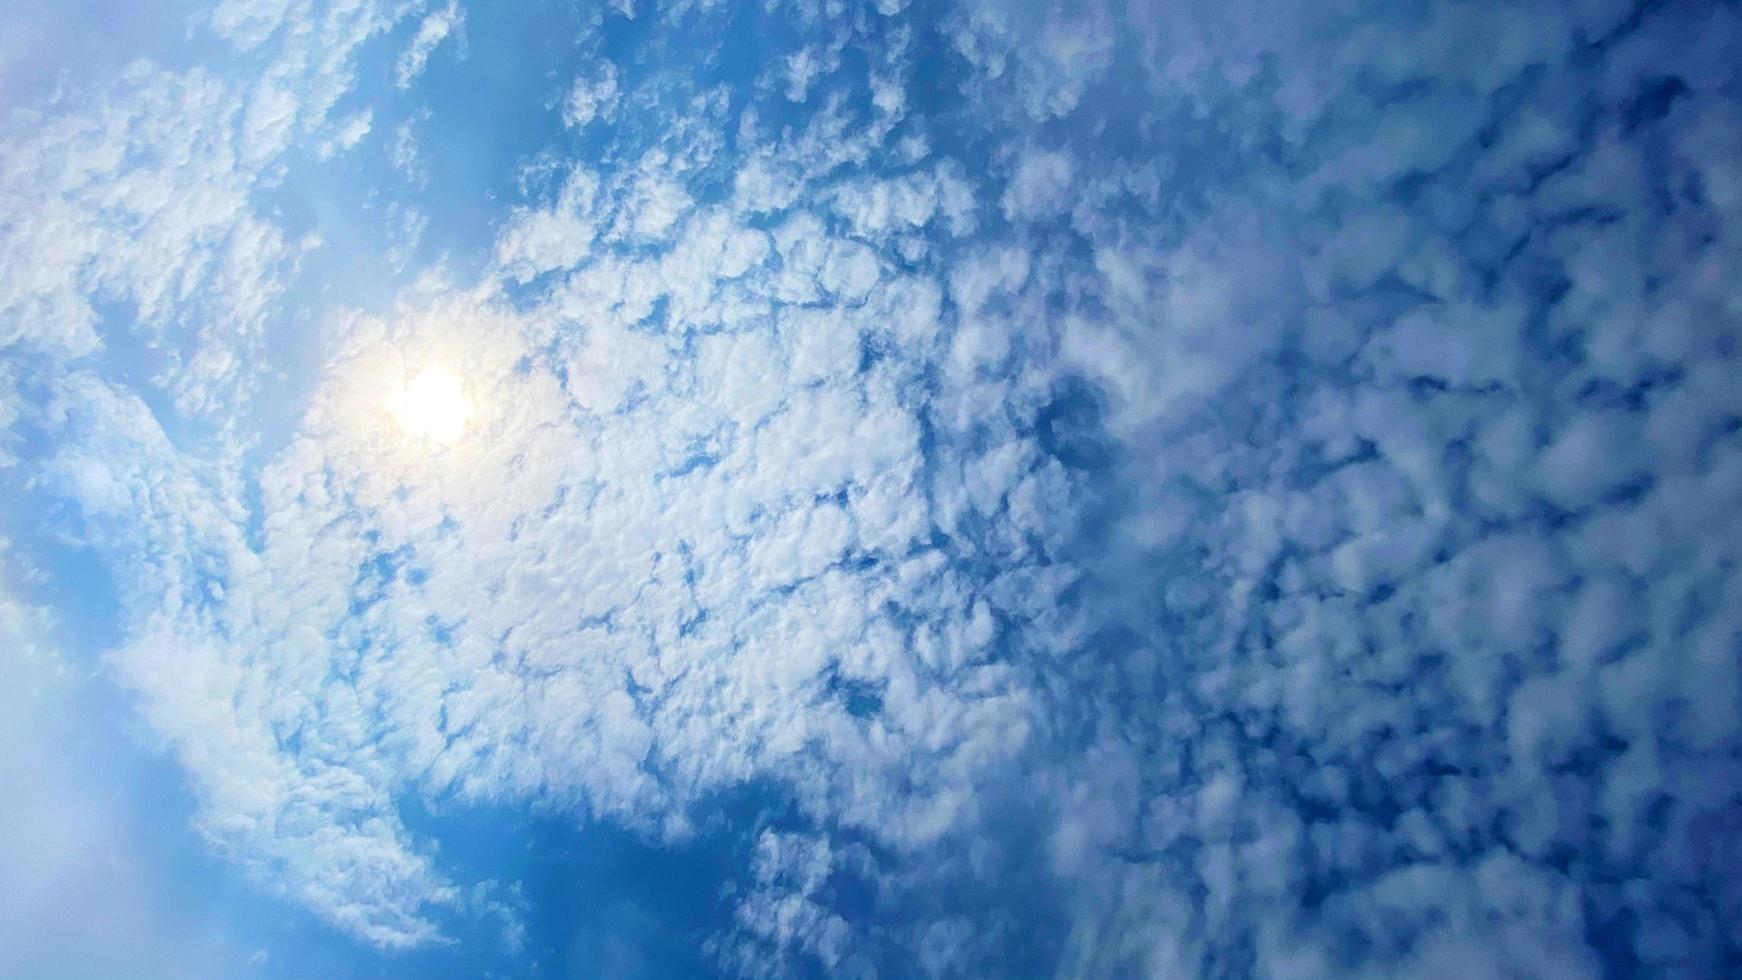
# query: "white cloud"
(142, 191)
(136, 198)
(435, 28)
(764, 491)
(350, 132)
(142, 194)
(307, 828)
(592, 98)
(804, 67)
(405, 156)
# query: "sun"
(432, 405)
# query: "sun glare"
(432, 405)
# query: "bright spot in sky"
(432, 405)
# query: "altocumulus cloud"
(1185, 489)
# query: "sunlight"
(432, 405)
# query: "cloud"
(1039, 186)
(350, 132)
(804, 67)
(435, 28)
(592, 98)
(1403, 515)
(733, 538)
(142, 193)
(136, 198)
(133, 209)
(303, 827)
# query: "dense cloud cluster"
(1159, 489)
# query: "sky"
(678, 488)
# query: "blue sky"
(671, 489)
